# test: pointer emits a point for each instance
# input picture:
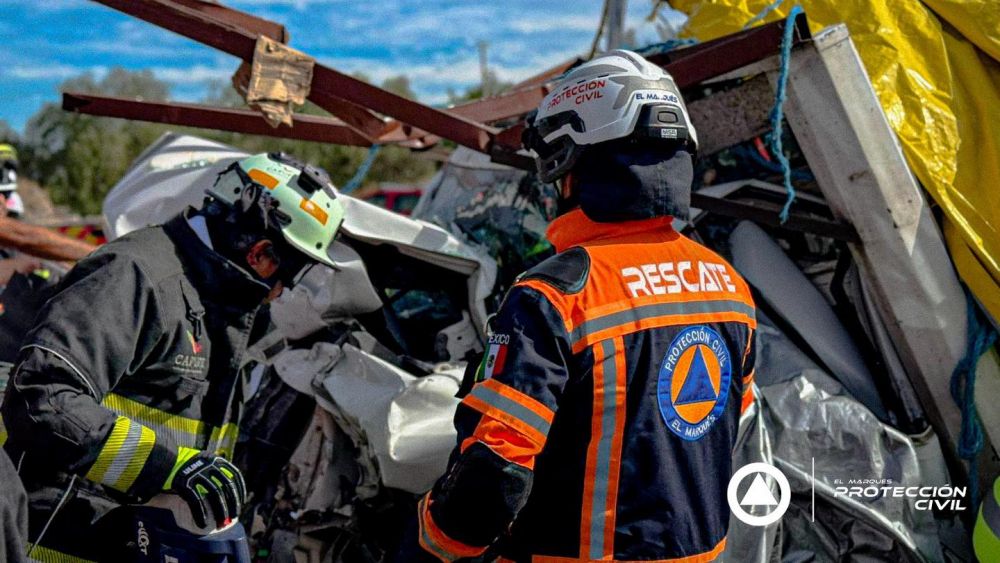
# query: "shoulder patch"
(567, 271)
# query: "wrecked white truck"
(355, 384)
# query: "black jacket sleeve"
(502, 426)
(13, 513)
(99, 327)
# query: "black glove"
(212, 487)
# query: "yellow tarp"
(935, 66)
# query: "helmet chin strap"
(568, 199)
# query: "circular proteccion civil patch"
(693, 383)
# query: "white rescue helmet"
(615, 95)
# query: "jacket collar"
(575, 228)
(211, 273)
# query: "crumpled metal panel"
(324, 294)
(807, 415)
(318, 469)
(166, 178)
(403, 422)
(503, 210)
(766, 267)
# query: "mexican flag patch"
(495, 357)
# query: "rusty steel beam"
(692, 65)
(519, 100)
(41, 242)
(225, 35)
(461, 130)
(689, 67)
(504, 106)
(182, 20)
(327, 82)
(405, 136)
(305, 128)
(355, 116)
(242, 20)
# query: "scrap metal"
(307, 127)
(689, 66)
(419, 125)
(241, 43)
(41, 242)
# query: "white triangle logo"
(758, 494)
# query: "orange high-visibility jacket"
(607, 407)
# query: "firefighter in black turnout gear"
(132, 380)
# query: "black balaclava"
(234, 232)
(626, 181)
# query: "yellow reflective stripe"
(188, 431)
(109, 451)
(183, 455)
(223, 440)
(46, 555)
(123, 455)
(3, 433)
(153, 417)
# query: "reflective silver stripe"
(991, 513)
(66, 361)
(603, 469)
(636, 314)
(124, 455)
(441, 552)
(511, 407)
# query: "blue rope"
(763, 14)
(665, 47)
(963, 386)
(362, 172)
(777, 112)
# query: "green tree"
(78, 158)
(399, 85)
(7, 134)
(493, 82)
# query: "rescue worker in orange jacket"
(606, 408)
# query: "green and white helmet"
(299, 197)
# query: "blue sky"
(432, 41)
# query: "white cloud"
(555, 24)
(51, 71)
(432, 80)
(197, 74)
(297, 4)
(147, 50)
(48, 5)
